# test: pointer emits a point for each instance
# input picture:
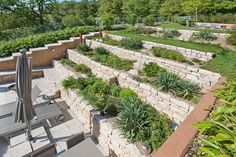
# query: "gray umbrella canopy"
(24, 111)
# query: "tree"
(138, 7)
(154, 6)
(170, 8)
(113, 7)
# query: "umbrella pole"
(29, 135)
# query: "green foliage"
(232, 39)
(99, 87)
(71, 21)
(83, 69)
(133, 119)
(144, 30)
(204, 35)
(217, 134)
(132, 43)
(172, 34)
(107, 21)
(67, 62)
(131, 19)
(83, 47)
(139, 121)
(152, 70)
(12, 46)
(73, 83)
(169, 54)
(102, 51)
(149, 20)
(126, 93)
(169, 82)
(115, 90)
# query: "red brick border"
(177, 144)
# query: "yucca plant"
(102, 51)
(132, 43)
(133, 119)
(83, 47)
(167, 82)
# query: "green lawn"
(224, 63)
(177, 26)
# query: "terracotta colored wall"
(177, 144)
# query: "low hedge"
(7, 48)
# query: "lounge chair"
(8, 127)
(75, 139)
(46, 151)
(7, 109)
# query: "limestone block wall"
(215, 25)
(175, 108)
(205, 78)
(107, 135)
(188, 53)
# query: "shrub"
(83, 69)
(73, 83)
(99, 87)
(232, 39)
(115, 90)
(83, 47)
(102, 51)
(108, 105)
(169, 82)
(149, 20)
(132, 43)
(152, 69)
(127, 93)
(133, 119)
(144, 30)
(168, 54)
(204, 35)
(67, 62)
(172, 34)
(38, 40)
(108, 20)
(131, 19)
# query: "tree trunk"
(40, 4)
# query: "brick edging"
(178, 143)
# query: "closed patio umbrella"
(24, 111)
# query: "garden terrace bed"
(205, 78)
(188, 53)
(105, 128)
(106, 58)
(176, 109)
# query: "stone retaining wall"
(215, 25)
(188, 53)
(100, 126)
(205, 78)
(176, 109)
(8, 78)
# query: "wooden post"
(81, 38)
(100, 32)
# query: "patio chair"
(9, 128)
(6, 110)
(75, 139)
(46, 151)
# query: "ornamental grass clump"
(171, 34)
(152, 70)
(83, 47)
(169, 82)
(204, 35)
(132, 43)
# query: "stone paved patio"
(55, 131)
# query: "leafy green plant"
(132, 43)
(127, 93)
(102, 51)
(133, 119)
(73, 83)
(169, 82)
(38, 40)
(169, 54)
(100, 87)
(144, 30)
(115, 90)
(204, 35)
(67, 62)
(83, 47)
(152, 69)
(171, 34)
(232, 39)
(83, 69)
(217, 134)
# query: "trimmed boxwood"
(7, 48)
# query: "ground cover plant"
(169, 82)
(132, 43)
(204, 35)
(217, 134)
(224, 62)
(7, 48)
(232, 39)
(103, 56)
(78, 67)
(168, 54)
(171, 34)
(136, 120)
